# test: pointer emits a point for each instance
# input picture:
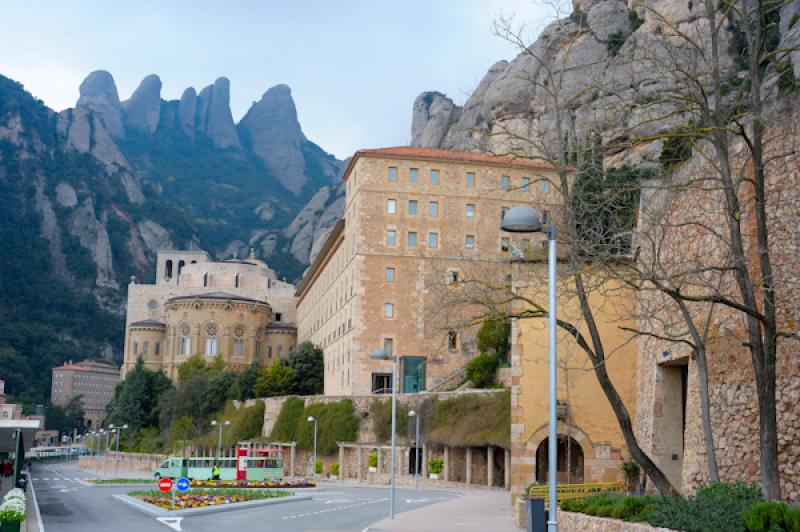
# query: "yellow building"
(415, 219)
(237, 310)
(591, 447)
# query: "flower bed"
(13, 506)
(197, 498)
(252, 484)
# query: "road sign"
(165, 484)
(182, 484)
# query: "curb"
(151, 510)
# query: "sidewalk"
(484, 510)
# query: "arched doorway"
(571, 454)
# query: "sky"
(354, 67)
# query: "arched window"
(205, 279)
(146, 348)
(211, 340)
(168, 270)
(135, 348)
(158, 348)
(238, 340)
(269, 352)
(181, 264)
(237, 280)
(280, 351)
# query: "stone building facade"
(669, 422)
(236, 309)
(93, 382)
(415, 219)
(591, 447)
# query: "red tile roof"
(435, 154)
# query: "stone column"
(469, 465)
(291, 460)
(341, 462)
(423, 467)
(359, 461)
(380, 459)
(490, 466)
(507, 468)
(446, 467)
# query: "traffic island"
(199, 501)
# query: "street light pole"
(381, 354)
(523, 219)
(219, 441)
(312, 419)
(416, 450)
(106, 450)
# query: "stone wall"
(132, 462)
(575, 522)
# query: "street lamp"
(118, 431)
(107, 433)
(219, 441)
(312, 419)
(381, 354)
(416, 451)
(523, 219)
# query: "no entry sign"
(165, 484)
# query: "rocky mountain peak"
(143, 110)
(98, 92)
(273, 133)
(433, 115)
(214, 116)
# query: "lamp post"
(381, 354)
(413, 414)
(312, 419)
(219, 441)
(118, 431)
(107, 433)
(523, 219)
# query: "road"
(68, 505)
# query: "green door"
(413, 374)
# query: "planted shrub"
(373, 460)
(481, 370)
(766, 516)
(335, 469)
(435, 466)
(318, 467)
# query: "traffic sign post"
(182, 484)
(165, 485)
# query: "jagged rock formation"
(313, 224)
(275, 136)
(187, 108)
(433, 116)
(99, 94)
(143, 110)
(214, 114)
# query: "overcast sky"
(354, 67)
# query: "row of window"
(238, 348)
(469, 179)
(433, 242)
(433, 209)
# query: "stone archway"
(570, 461)
(581, 453)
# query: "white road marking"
(67, 490)
(336, 501)
(173, 522)
(415, 501)
(333, 509)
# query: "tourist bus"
(261, 465)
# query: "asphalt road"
(68, 505)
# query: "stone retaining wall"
(574, 522)
(133, 462)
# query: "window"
(526, 244)
(269, 352)
(391, 235)
(381, 383)
(391, 206)
(545, 186)
(158, 348)
(470, 210)
(392, 174)
(412, 207)
(469, 241)
(278, 316)
(280, 351)
(503, 212)
(525, 182)
(452, 339)
(453, 277)
(505, 182)
(504, 244)
(135, 348)
(434, 177)
(433, 208)
(238, 348)
(211, 340)
(388, 346)
(388, 310)
(186, 345)
(389, 275)
(545, 217)
(433, 240)
(258, 350)
(412, 175)
(238, 277)
(205, 279)
(412, 239)
(470, 179)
